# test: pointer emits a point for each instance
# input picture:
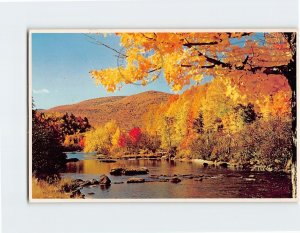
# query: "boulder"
(117, 171)
(175, 180)
(104, 180)
(135, 180)
(119, 182)
(94, 181)
(129, 171)
(135, 171)
(76, 194)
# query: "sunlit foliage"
(187, 57)
(102, 139)
(239, 116)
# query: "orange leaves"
(183, 57)
(271, 94)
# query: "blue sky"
(60, 69)
(61, 63)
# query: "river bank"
(86, 176)
(160, 179)
(204, 163)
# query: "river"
(216, 182)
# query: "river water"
(216, 182)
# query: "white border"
(119, 200)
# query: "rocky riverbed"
(170, 179)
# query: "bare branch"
(95, 41)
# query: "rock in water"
(135, 180)
(117, 171)
(94, 182)
(136, 171)
(129, 171)
(77, 194)
(104, 180)
(175, 180)
(119, 182)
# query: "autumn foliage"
(240, 102)
(185, 58)
(135, 135)
(70, 128)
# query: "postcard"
(162, 115)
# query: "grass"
(43, 190)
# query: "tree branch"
(95, 41)
(215, 61)
(191, 44)
(204, 67)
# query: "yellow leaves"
(109, 78)
(231, 91)
(111, 127)
(191, 56)
(102, 139)
(115, 137)
(198, 78)
(277, 104)
(221, 103)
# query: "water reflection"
(216, 182)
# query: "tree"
(198, 124)
(192, 56)
(168, 131)
(48, 159)
(149, 142)
(185, 58)
(122, 140)
(102, 139)
(135, 135)
(247, 112)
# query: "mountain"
(126, 110)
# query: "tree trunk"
(290, 73)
